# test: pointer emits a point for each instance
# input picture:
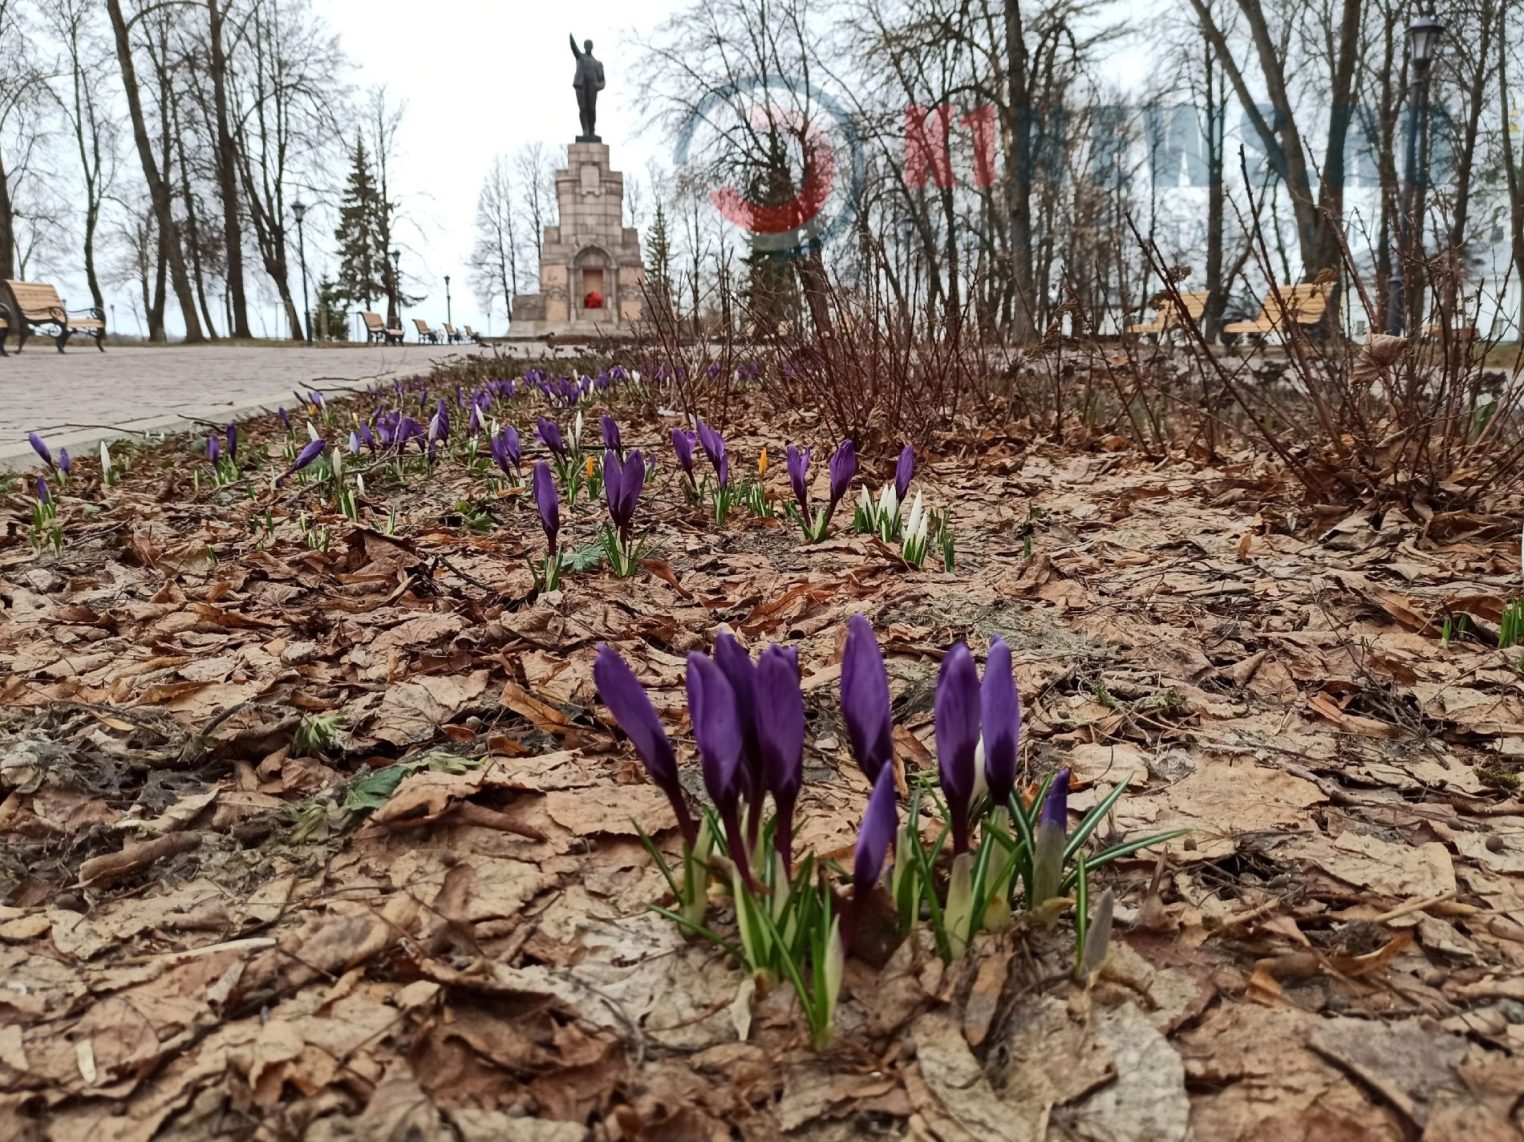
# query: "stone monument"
(590, 264)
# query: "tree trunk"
(1018, 178)
(7, 227)
(158, 189)
(227, 175)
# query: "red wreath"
(593, 300)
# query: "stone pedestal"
(591, 251)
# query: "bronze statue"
(588, 82)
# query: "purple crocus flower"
(474, 421)
(876, 836)
(621, 487)
(64, 463)
(610, 429)
(43, 494)
(550, 435)
(631, 706)
(39, 447)
(506, 451)
(843, 469)
(315, 398)
(739, 670)
(717, 731)
(957, 732)
(865, 699)
(306, 456)
(367, 437)
(1000, 720)
(799, 478)
(682, 448)
(1049, 843)
(213, 450)
(779, 711)
(546, 502)
(285, 417)
(231, 434)
(903, 470)
(711, 442)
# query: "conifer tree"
(362, 275)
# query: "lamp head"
(298, 210)
(1424, 35)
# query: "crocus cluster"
(748, 722)
(622, 482)
(842, 467)
(883, 518)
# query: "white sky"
(479, 80)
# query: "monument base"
(590, 262)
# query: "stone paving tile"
(83, 396)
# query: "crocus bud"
(865, 699)
(903, 470)
(40, 448)
(843, 469)
(631, 706)
(546, 502)
(957, 734)
(1000, 721)
(306, 456)
(1049, 842)
(682, 448)
(799, 478)
(780, 738)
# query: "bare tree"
(494, 258)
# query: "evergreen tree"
(363, 269)
(331, 318)
(659, 264)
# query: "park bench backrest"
(421, 326)
(373, 321)
(1302, 303)
(36, 301)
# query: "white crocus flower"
(635, 375)
(913, 545)
(865, 505)
(359, 484)
(577, 429)
(433, 428)
(888, 510)
(105, 462)
(338, 463)
(311, 431)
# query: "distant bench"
(376, 329)
(1169, 315)
(1284, 306)
(37, 303)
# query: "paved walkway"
(83, 396)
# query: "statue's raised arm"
(571, 38)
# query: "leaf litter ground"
(428, 919)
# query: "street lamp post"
(1424, 35)
(397, 285)
(299, 212)
(449, 319)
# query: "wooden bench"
(376, 330)
(451, 335)
(1168, 313)
(37, 303)
(425, 334)
(471, 334)
(1284, 306)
